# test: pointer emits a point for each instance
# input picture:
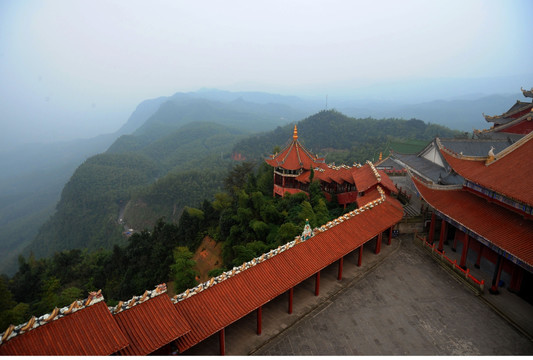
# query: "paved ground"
(408, 305)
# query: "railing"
(452, 263)
(403, 195)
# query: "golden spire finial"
(295, 135)
(380, 156)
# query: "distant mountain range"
(460, 114)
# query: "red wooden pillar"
(222, 342)
(466, 241)
(442, 234)
(378, 243)
(477, 265)
(339, 276)
(390, 236)
(317, 284)
(259, 319)
(496, 277)
(360, 260)
(431, 229)
(291, 293)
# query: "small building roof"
(429, 170)
(367, 176)
(475, 147)
(503, 228)
(389, 163)
(149, 322)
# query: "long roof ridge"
(298, 239)
(509, 149)
(12, 331)
(135, 300)
(374, 170)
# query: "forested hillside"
(87, 215)
(31, 181)
(34, 175)
(344, 139)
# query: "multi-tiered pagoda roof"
(295, 156)
(295, 167)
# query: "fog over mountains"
(55, 121)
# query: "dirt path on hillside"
(207, 257)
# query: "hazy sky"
(78, 68)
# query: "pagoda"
(295, 167)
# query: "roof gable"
(431, 153)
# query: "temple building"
(295, 167)
(489, 215)
(478, 193)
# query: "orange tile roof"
(387, 182)
(294, 156)
(510, 175)
(88, 331)
(218, 306)
(504, 228)
(150, 325)
(368, 176)
(368, 196)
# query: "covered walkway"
(241, 337)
